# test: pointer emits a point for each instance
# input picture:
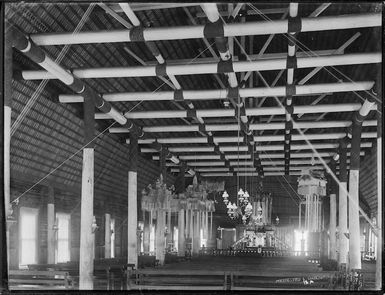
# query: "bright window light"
(300, 235)
(152, 238)
(175, 238)
(63, 237)
(28, 236)
(112, 237)
(203, 241)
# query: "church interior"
(192, 146)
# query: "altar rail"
(255, 252)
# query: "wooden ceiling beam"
(325, 23)
(265, 138)
(217, 94)
(219, 113)
(234, 127)
(263, 148)
(248, 156)
(212, 68)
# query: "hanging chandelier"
(241, 208)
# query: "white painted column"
(8, 72)
(332, 226)
(160, 238)
(132, 214)
(354, 221)
(107, 235)
(196, 232)
(146, 232)
(87, 237)
(181, 234)
(380, 244)
(50, 225)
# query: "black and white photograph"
(192, 147)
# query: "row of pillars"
(348, 211)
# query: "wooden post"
(343, 206)
(146, 232)
(161, 215)
(8, 72)
(196, 237)
(107, 235)
(169, 229)
(87, 237)
(354, 219)
(162, 163)
(132, 218)
(160, 238)
(180, 183)
(181, 234)
(5, 91)
(192, 226)
(332, 215)
(380, 244)
(50, 226)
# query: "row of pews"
(109, 274)
(233, 273)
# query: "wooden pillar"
(5, 111)
(87, 237)
(196, 233)
(332, 213)
(132, 218)
(354, 179)
(299, 215)
(161, 214)
(181, 234)
(50, 226)
(380, 244)
(332, 227)
(162, 163)
(160, 238)
(146, 232)
(180, 183)
(169, 229)
(8, 72)
(107, 235)
(343, 206)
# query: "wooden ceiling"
(52, 131)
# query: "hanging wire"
(16, 200)
(30, 103)
(309, 52)
(309, 143)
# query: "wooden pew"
(177, 280)
(146, 261)
(41, 279)
(105, 270)
(294, 279)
